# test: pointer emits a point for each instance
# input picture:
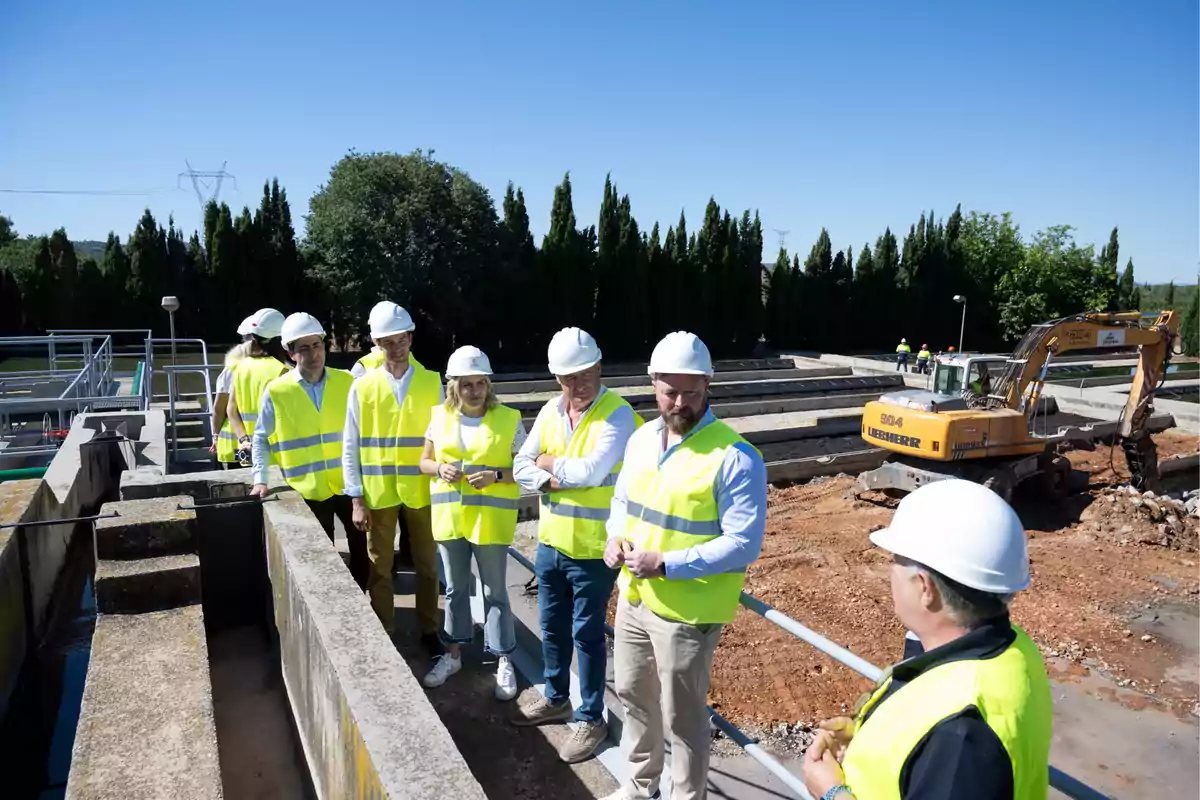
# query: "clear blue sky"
(852, 116)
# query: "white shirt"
(468, 432)
(574, 473)
(351, 463)
(225, 381)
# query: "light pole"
(171, 305)
(961, 298)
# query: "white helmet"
(299, 325)
(388, 319)
(681, 353)
(903, 340)
(466, 361)
(572, 350)
(247, 326)
(964, 531)
(266, 323)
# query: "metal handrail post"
(171, 419)
(829, 648)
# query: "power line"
(198, 176)
(91, 192)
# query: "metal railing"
(1059, 780)
(177, 415)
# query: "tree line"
(422, 232)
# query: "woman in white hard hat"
(969, 714)
(469, 450)
(224, 442)
(265, 361)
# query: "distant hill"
(1154, 296)
(91, 248)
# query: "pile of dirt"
(1095, 596)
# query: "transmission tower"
(210, 180)
(782, 237)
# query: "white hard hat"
(299, 325)
(266, 323)
(903, 340)
(246, 327)
(388, 319)
(572, 350)
(964, 531)
(466, 361)
(681, 353)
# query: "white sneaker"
(506, 680)
(443, 668)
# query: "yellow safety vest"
(375, 358)
(572, 520)
(903, 348)
(391, 439)
(1011, 692)
(923, 354)
(250, 379)
(459, 511)
(226, 442)
(674, 507)
(309, 442)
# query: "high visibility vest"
(250, 379)
(226, 441)
(903, 348)
(309, 442)
(459, 511)
(375, 358)
(674, 507)
(391, 438)
(1011, 692)
(923, 354)
(572, 520)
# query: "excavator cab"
(955, 372)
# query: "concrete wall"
(82, 475)
(365, 723)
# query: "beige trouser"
(662, 668)
(381, 549)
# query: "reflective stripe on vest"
(459, 511)
(674, 507)
(226, 444)
(1011, 692)
(309, 442)
(391, 438)
(250, 379)
(572, 520)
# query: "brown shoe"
(583, 741)
(540, 711)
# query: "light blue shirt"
(741, 494)
(574, 473)
(264, 426)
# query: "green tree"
(7, 232)
(1170, 300)
(64, 275)
(1056, 277)
(750, 283)
(148, 269)
(612, 290)
(1190, 333)
(988, 248)
(406, 228)
(778, 332)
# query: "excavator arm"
(1022, 382)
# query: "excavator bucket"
(1141, 456)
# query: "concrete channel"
(189, 643)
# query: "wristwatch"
(499, 475)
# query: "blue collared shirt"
(574, 473)
(264, 426)
(740, 490)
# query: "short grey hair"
(968, 607)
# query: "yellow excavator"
(981, 424)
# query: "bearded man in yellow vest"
(968, 713)
(300, 419)
(572, 458)
(687, 519)
(387, 415)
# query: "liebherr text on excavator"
(980, 425)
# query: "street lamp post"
(171, 305)
(961, 298)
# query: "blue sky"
(849, 115)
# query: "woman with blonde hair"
(265, 361)
(469, 450)
(224, 442)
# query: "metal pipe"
(22, 473)
(41, 523)
(835, 651)
(760, 755)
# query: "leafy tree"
(64, 276)
(7, 232)
(1170, 301)
(1054, 277)
(409, 229)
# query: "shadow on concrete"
(508, 762)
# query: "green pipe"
(22, 474)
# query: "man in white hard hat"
(387, 414)
(902, 351)
(968, 715)
(572, 457)
(374, 359)
(300, 418)
(687, 519)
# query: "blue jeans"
(492, 559)
(573, 600)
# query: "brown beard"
(680, 422)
